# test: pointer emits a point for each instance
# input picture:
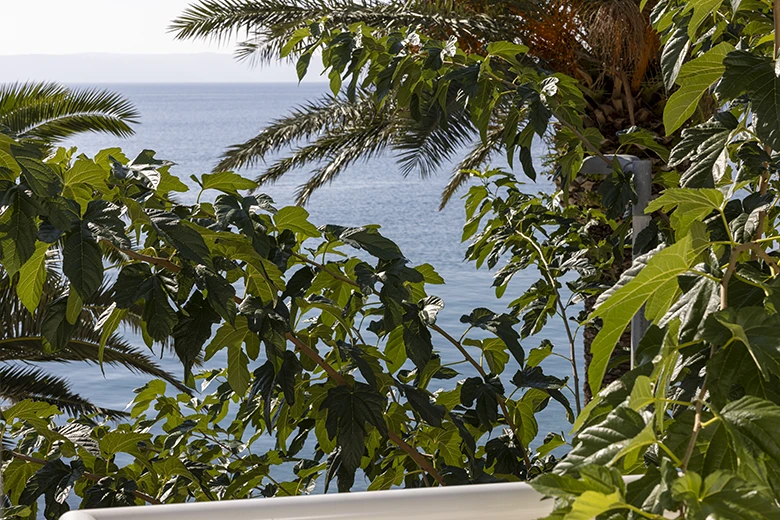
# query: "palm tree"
(44, 114)
(22, 348)
(608, 45)
(49, 112)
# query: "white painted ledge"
(505, 501)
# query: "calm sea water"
(192, 124)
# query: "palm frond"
(51, 112)
(476, 158)
(18, 383)
(21, 331)
(307, 121)
(362, 143)
(424, 145)
(268, 24)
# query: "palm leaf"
(51, 112)
(18, 383)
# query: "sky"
(112, 41)
(107, 26)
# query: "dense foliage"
(695, 417)
(284, 305)
(694, 420)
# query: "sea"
(192, 124)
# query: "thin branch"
(569, 334)
(501, 399)
(310, 353)
(154, 260)
(90, 476)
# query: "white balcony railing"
(515, 501)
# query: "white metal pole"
(643, 181)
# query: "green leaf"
(655, 285)
(73, 309)
(673, 56)
(295, 218)
(183, 236)
(705, 147)
(507, 50)
(695, 77)
(40, 177)
(691, 205)
(485, 393)
(367, 238)
(723, 495)
(539, 354)
(82, 263)
(643, 139)
(755, 328)
(756, 76)
(107, 324)
(17, 230)
(122, 442)
(32, 276)
(701, 10)
(533, 377)
(592, 503)
(551, 442)
(228, 336)
(238, 369)
(349, 410)
(754, 423)
(226, 182)
(499, 324)
(604, 443)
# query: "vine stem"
(305, 349)
(724, 287)
(90, 476)
(501, 399)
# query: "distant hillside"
(143, 68)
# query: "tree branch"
(89, 476)
(501, 399)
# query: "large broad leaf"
(644, 139)
(754, 423)
(695, 77)
(755, 328)
(233, 337)
(486, 394)
(296, 219)
(673, 56)
(654, 286)
(757, 77)
(227, 182)
(366, 238)
(605, 442)
(705, 147)
(187, 240)
(499, 324)
(690, 204)
(32, 276)
(192, 331)
(349, 412)
(40, 177)
(723, 495)
(82, 263)
(17, 229)
(701, 10)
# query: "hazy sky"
(77, 26)
(74, 30)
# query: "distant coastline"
(110, 68)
